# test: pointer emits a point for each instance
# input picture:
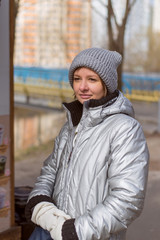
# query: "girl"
(93, 184)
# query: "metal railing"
(36, 81)
(142, 87)
(42, 83)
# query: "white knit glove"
(49, 217)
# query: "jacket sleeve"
(127, 179)
(44, 185)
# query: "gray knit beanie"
(101, 61)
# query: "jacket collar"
(76, 108)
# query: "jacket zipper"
(66, 172)
(73, 144)
(67, 163)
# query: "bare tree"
(116, 31)
(117, 43)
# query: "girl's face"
(88, 85)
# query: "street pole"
(159, 115)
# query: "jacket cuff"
(68, 230)
(33, 202)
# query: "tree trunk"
(117, 43)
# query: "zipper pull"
(69, 159)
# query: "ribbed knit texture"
(69, 231)
(101, 61)
(98, 102)
(33, 202)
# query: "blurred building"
(156, 15)
(50, 33)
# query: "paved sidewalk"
(147, 226)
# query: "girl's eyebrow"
(87, 75)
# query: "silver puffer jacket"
(100, 182)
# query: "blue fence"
(40, 76)
(130, 81)
(41, 73)
(141, 87)
(147, 82)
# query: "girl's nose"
(83, 85)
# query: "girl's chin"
(83, 100)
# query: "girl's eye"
(92, 79)
(76, 79)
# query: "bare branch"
(112, 13)
(96, 10)
(132, 3)
(129, 6)
(103, 4)
(112, 42)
